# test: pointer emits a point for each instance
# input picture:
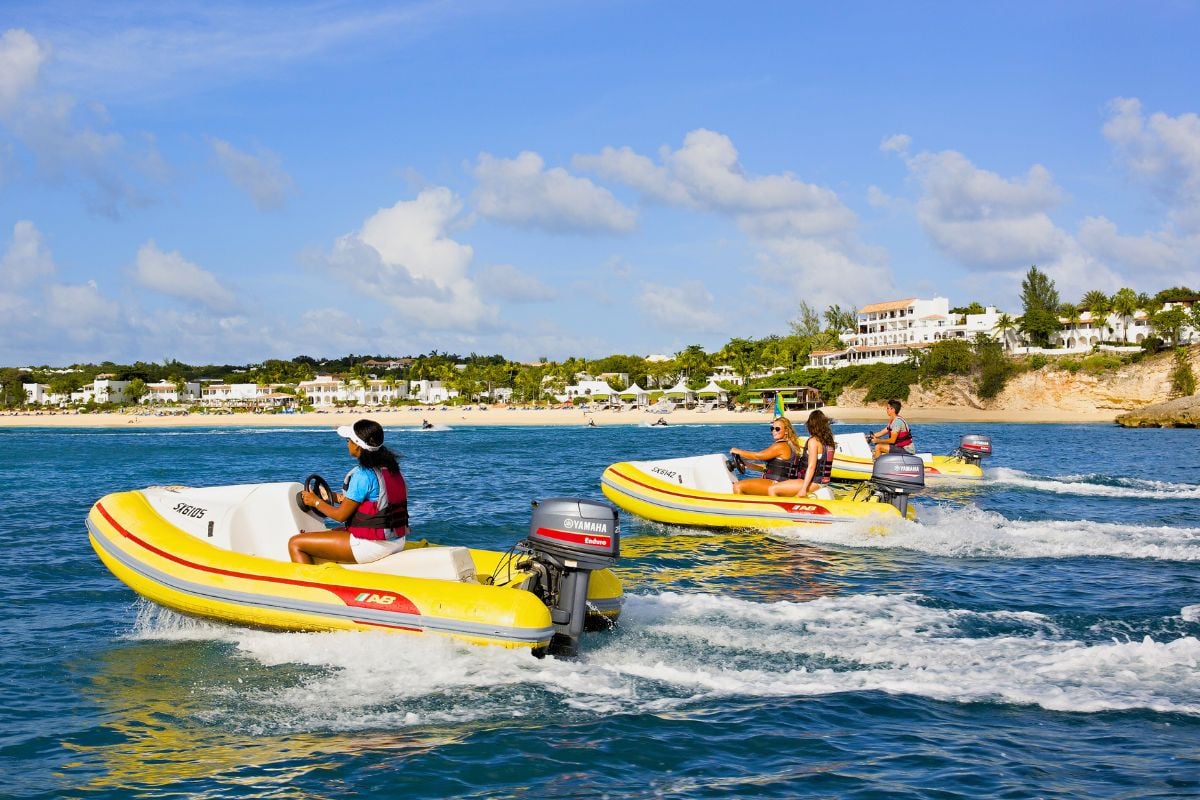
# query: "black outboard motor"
(568, 538)
(895, 476)
(974, 447)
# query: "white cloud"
(80, 311)
(985, 221)
(403, 256)
(794, 225)
(898, 143)
(637, 171)
(20, 59)
(687, 306)
(520, 191)
(260, 176)
(173, 275)
(1164, 153)
(27, 258)
(878, 198)
(509, 283)
(68, 141)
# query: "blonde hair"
(790, 430)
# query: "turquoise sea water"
(1035, 636)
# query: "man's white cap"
(347, 432)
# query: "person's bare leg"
(330, 545)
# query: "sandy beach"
(501, 415)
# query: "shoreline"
(501, 416)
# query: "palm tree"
(1098, 305)
(1004, 326)
(1070, 312)
(1125, 305)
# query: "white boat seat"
(438, 563)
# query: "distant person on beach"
(373, 505)
(816, 465)
(897, 436)
(781, 460)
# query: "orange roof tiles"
(891, 305)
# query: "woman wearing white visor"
(373, 505)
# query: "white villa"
(888, 332)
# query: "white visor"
(347, 432)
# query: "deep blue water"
(1035, 636)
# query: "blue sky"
(230, 182)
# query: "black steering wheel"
(320, 487)
(736, 463)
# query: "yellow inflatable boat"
(221, 553)
(854, 458)
(698, 491)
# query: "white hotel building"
(889, 332)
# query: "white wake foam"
(675, 650)
(970, 532)
(1095, 485)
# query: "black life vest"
(824, 472)
(784, 469)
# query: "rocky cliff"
(1128, 388)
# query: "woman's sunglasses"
(776, 427)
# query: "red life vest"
(904, 437)
(385, 518)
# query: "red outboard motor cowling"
(974, 447)
(569, 537)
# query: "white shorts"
(367, 550)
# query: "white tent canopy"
(712, 389)
(679, 390)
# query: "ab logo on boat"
(376, 599)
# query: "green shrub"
(1069, 364)
(1038, 361)
(891, 381)
(950, 357)
(1183, 380)
(1099, 363)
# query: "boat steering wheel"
(320, 487)
(736, 463)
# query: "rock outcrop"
(1182, 412)
(1138, 387)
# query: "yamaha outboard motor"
(974, 447)
(895, 476)
(568, 538)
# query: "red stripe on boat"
(790, 506)
(347, 594)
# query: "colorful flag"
(779, 404)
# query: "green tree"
(135, 391)
(1099, 305)
(838, 320)
(808, 324)
(1125, 305)
(1169, 323)
(694, 363)
(1040, 301)
(744, 356)
(12, 390)
(1005, 325)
